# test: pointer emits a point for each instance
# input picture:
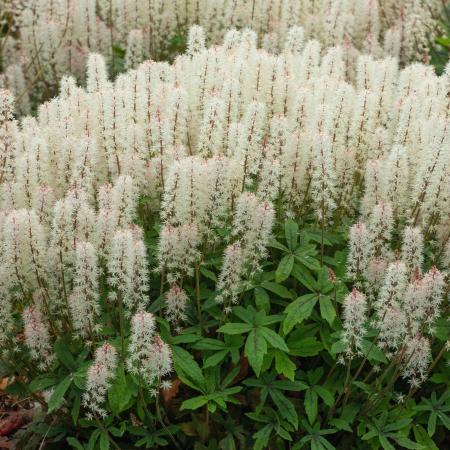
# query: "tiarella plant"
(242, 249)
(42, 40)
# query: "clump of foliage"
(238, 250)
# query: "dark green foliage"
(266, 376)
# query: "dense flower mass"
(143, 214)
(48, 39)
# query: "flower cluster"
(405, 301)
(99, 378)
(207, 153)
(54, 38)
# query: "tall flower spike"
(196, 40)
(135, 49)
(176, 304)
(160, 361)
(84, 299)
(416, 359)
(355, 310)
(359, 250)
(323, 181)
(6, 128)
(37, 337)
(99, 377)
(97, 76)
(127, 268)
(178, 251)
(142, 335)
(230, 276)
(412, 248)
(391, 319)
(380, 229)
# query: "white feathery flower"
(355, 310)
(99, 378)
(412, 248)
(380, 229)
(97, 75)
(135, 49)
(196, 40)
(37, 337)
(160, 359)
(231, 274)
(178, 251)
(84, 299)
(359, 250)
(176, 304)
(127, 269)
(416, 359)
(323, 183)
(141, 341)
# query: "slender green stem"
(111, 440)
(121, 325)
(197, 297)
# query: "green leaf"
(298, 311)
(291, 232)
(194, 403)
(75, 443)
(327, 310)
(281, 291)
(119, 395)
(187, 369)
(42, 383)
(255, 350)
(385, 443)
(262, 299)
(325, 395)
(308, 346)
(208, 274)
(444, 41)
(215, 359)
(305, 278)
(285, 407)
(284, 268)
(407, 443)
(338, 347)
(284, 365)
(63, 353)
(275, 244)
(274, 339)
(75, 411)
(93, 439)
(423, 438)
(235, 328)
(373, 352)
(432, 423)
(311, 405)
(58, 394)
(262, 437)
(104, 441)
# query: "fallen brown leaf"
(169, 394)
